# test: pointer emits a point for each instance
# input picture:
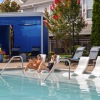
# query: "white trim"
(36, 3)
(41, 6)
(89, 19)
(42, 34)
(37, 6)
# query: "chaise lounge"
(96, 70)
(83, 63)
(93, 54)
(77, 54)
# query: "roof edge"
(19, 14)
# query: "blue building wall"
(4, 38)
(20, 20)
(27, 33)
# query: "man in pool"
(43, 66)
(34, 63)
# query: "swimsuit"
(50, 65)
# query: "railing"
(10, 61)
(55, 67)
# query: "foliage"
(95, 37)
(65, 56)
(49, 55)
(85, 53)
(75, 47)
(60, 22)
(8, 6)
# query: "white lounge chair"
(83, 63)
(96, 70)
(43, 57)
(57, 59)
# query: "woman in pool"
(34, 63)
(43, 66)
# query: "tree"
(8, 6)
(60, 22)
(95, 36)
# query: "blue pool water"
(21, 88)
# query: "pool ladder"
(10, 62)
(55, 67)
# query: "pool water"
(21, 88)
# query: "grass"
(65, 56)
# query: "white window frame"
(88, 19)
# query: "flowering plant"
(60, 22)
(2, 52)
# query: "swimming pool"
(21, 88)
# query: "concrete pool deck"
(60, 66)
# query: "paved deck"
(60, 66)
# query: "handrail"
(68, 64)
(10, 61)
(55, 67)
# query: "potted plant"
(1, 54)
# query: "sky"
(1, 1)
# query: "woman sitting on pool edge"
(43, 66)
(34, 63)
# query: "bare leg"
(42, 66)
(29, 65)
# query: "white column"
(41, 33)
(82, 7)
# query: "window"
(89, 4)
(89, 13)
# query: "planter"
(1, 58)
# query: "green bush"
(65, 56)
(85, 53)
(95, 36)
(69, 50)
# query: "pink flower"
(52, 6)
